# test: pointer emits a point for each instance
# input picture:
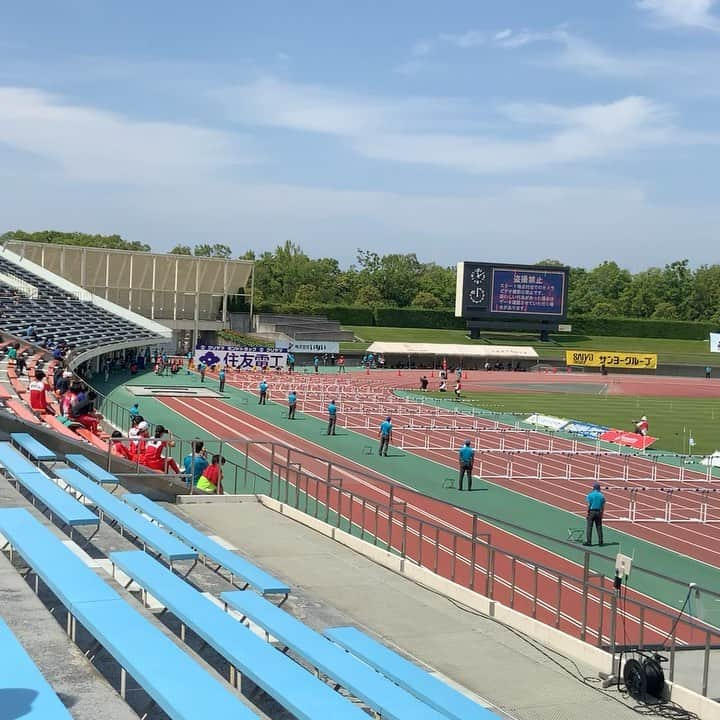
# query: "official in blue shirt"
(385, 435)
(221, 380)
(292, 404)
(316, 363)
(332, 417)
(467, 457)
(291, 362)
(595, 510)
(263, 393)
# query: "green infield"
(672, 420)
(690, 352)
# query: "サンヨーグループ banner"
(598, 358)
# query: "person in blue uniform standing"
(292, 404)
(263, 392)
(385, 435)
(595, 509)
(332, 417)
(467, 458)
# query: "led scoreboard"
(491, 291)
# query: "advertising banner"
(628, 439)
(546, 421)
(617, 360)
(240, 358)
(715, 342)
(587, 430)
(309, 346)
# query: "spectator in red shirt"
(38, 398)
(137, 434)
(118, 447)
(154, 456)
(210, 481)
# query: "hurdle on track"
(699, 498)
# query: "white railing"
(28, 290)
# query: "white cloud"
(466, 40)
(89, 144)
(684, 13)
(511, 39)
(428, 131)
(566, 135)
(269, 101)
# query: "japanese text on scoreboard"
(598, 358)
(534, 293)
(241, 357)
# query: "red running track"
(560, 603)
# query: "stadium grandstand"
(190, 295)
(313, 587)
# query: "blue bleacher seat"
(178, 684)
(251, 575)
(24, 692)
(57, 501)
(13, 462)
(293, 687)
(34, 448)
(91, 469)
(409, 676)
(150, 535)
(42, 488)
(379, 693)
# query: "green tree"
(214, 251)
(113, 242)
(605, 309)
(704, 302)
(679, 285)
(181, 250)
(307, 296)
(395, 276)
(665, 311)
(647, 289)
(369, 296)
(439, 282)
(426, 300)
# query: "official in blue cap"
(467, 457)
(595, 510)
(385, 435)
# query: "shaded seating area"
(56, 313)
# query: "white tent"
(491, 352)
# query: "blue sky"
(511, 131)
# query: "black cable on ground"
(664, 709)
